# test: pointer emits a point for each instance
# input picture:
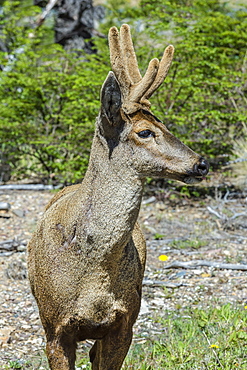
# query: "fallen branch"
(28, 187)
(217, 214)
(11, 245)
(223, 217)
(166, 284)
(199, 263)
(238, 215)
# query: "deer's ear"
(111, 100)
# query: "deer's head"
(126, 124)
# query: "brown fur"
(87, 257)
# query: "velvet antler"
(136, 90)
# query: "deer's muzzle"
(201, 168)
(198, 173)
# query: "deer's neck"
(113, 197)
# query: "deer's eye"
(145, 134)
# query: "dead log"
(28, 187)
(200, 263)
(12, 245)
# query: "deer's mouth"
(190, 180)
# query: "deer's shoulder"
(65, 191)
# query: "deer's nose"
(201, 168)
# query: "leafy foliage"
(49, 102)
(204, 97)
(49, 99)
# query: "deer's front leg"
(61, 353)
(109, 352)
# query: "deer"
(87, 257)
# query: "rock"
(144, 307)
(21, 248)
(4, 206)
(5, 335)
(18, 212)
(16, 271)
(149, 200)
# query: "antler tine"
(135, 89)
(117, 61)
(162, 72)
(146, 82)
(139, 85)
(129, 53)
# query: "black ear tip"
(111, 99)
(111, 75)
(110, 82)
(111, 94)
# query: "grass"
(198, 339)
(191, 339)
(188, 243)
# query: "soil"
(212, 229)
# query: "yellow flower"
(163, 257)
(245, 307)
(205, 275)
(214, 346)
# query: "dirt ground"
(205, 232)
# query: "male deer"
(87, 257)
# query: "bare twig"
(223, 217)
(219, 215)
(9, 241)
(216, 356)
(238, 215)
(98, 34)
(226, 195)
(48, 8)
(234, 103)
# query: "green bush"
(49, 99)
(203, 100)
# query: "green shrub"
(49, 99)
(203, 100)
